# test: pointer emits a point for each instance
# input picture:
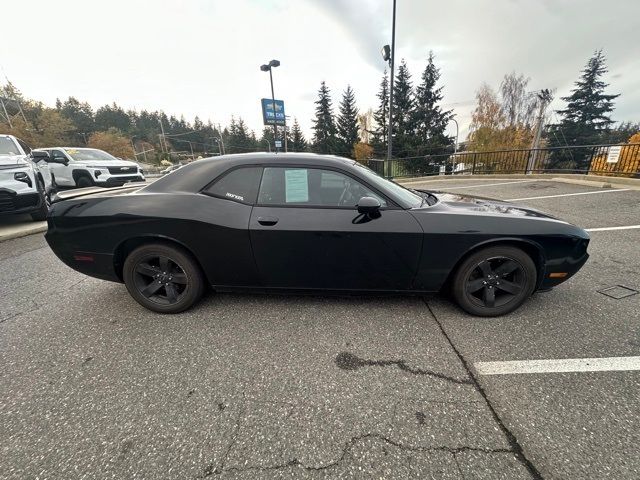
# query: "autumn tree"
(112, 141)
(503, 120)
(324, 128)
(347, 124)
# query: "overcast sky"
(202, 57)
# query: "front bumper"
(118, 180)
(12, 202)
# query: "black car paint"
(404, 249)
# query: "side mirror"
(38, 156)
(62, 161)
(369, 206)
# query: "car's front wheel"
(163, 278)
(45, 203)
(494, 281)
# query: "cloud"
(198, 57)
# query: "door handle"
(267, 221)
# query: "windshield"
(378, 181)
(89, 154)
(8, 147)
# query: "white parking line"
(568, 194)
(609, 364)
(491, 184)
(604, 229)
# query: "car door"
(306, 232)
(61, 171)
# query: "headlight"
(23, 177)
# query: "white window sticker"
(296, 186)
(237, 197)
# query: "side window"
(240, 185)
(25, 147)
(58, 154)
(311, 187)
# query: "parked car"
(25, 179)
(85, 167)
(309, 222)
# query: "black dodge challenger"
(305, 222)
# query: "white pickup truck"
(25, 179)
(86, 167)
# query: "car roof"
(189, 178)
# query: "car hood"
(487, 205)
(106, 163)
(8, 161)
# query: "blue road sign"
(268, 114)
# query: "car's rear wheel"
(163, 278)
(494, 281)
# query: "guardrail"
(618, 160)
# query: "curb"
(586, 180)
(22, 231)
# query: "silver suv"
(86, 167)
(25, 179)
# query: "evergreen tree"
(586, 119)
(429, 120)
(381, 117)
(347, 128)
(324, 136)
(298, 142)
(80, 114)
(588, 107)
(403, 104)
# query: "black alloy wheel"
(163, 278)
(494, 281)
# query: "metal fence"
(618, 160)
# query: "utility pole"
(163, 142)
(545, 98)
(221, 140)
(6, 114)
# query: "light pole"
(268, 144)
(455, 145)
(268, 68)
(389, 55)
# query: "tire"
(150, 266)
(494, 281)
(41, 214)
(84, 181)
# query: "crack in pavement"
(516, 448)
(347, 448)
(349, 361)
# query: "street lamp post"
(455, 145)
(389, 55)
(268, 68)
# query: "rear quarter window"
(239, 185)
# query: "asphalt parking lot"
(255, 386)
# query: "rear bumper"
(98, 265)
